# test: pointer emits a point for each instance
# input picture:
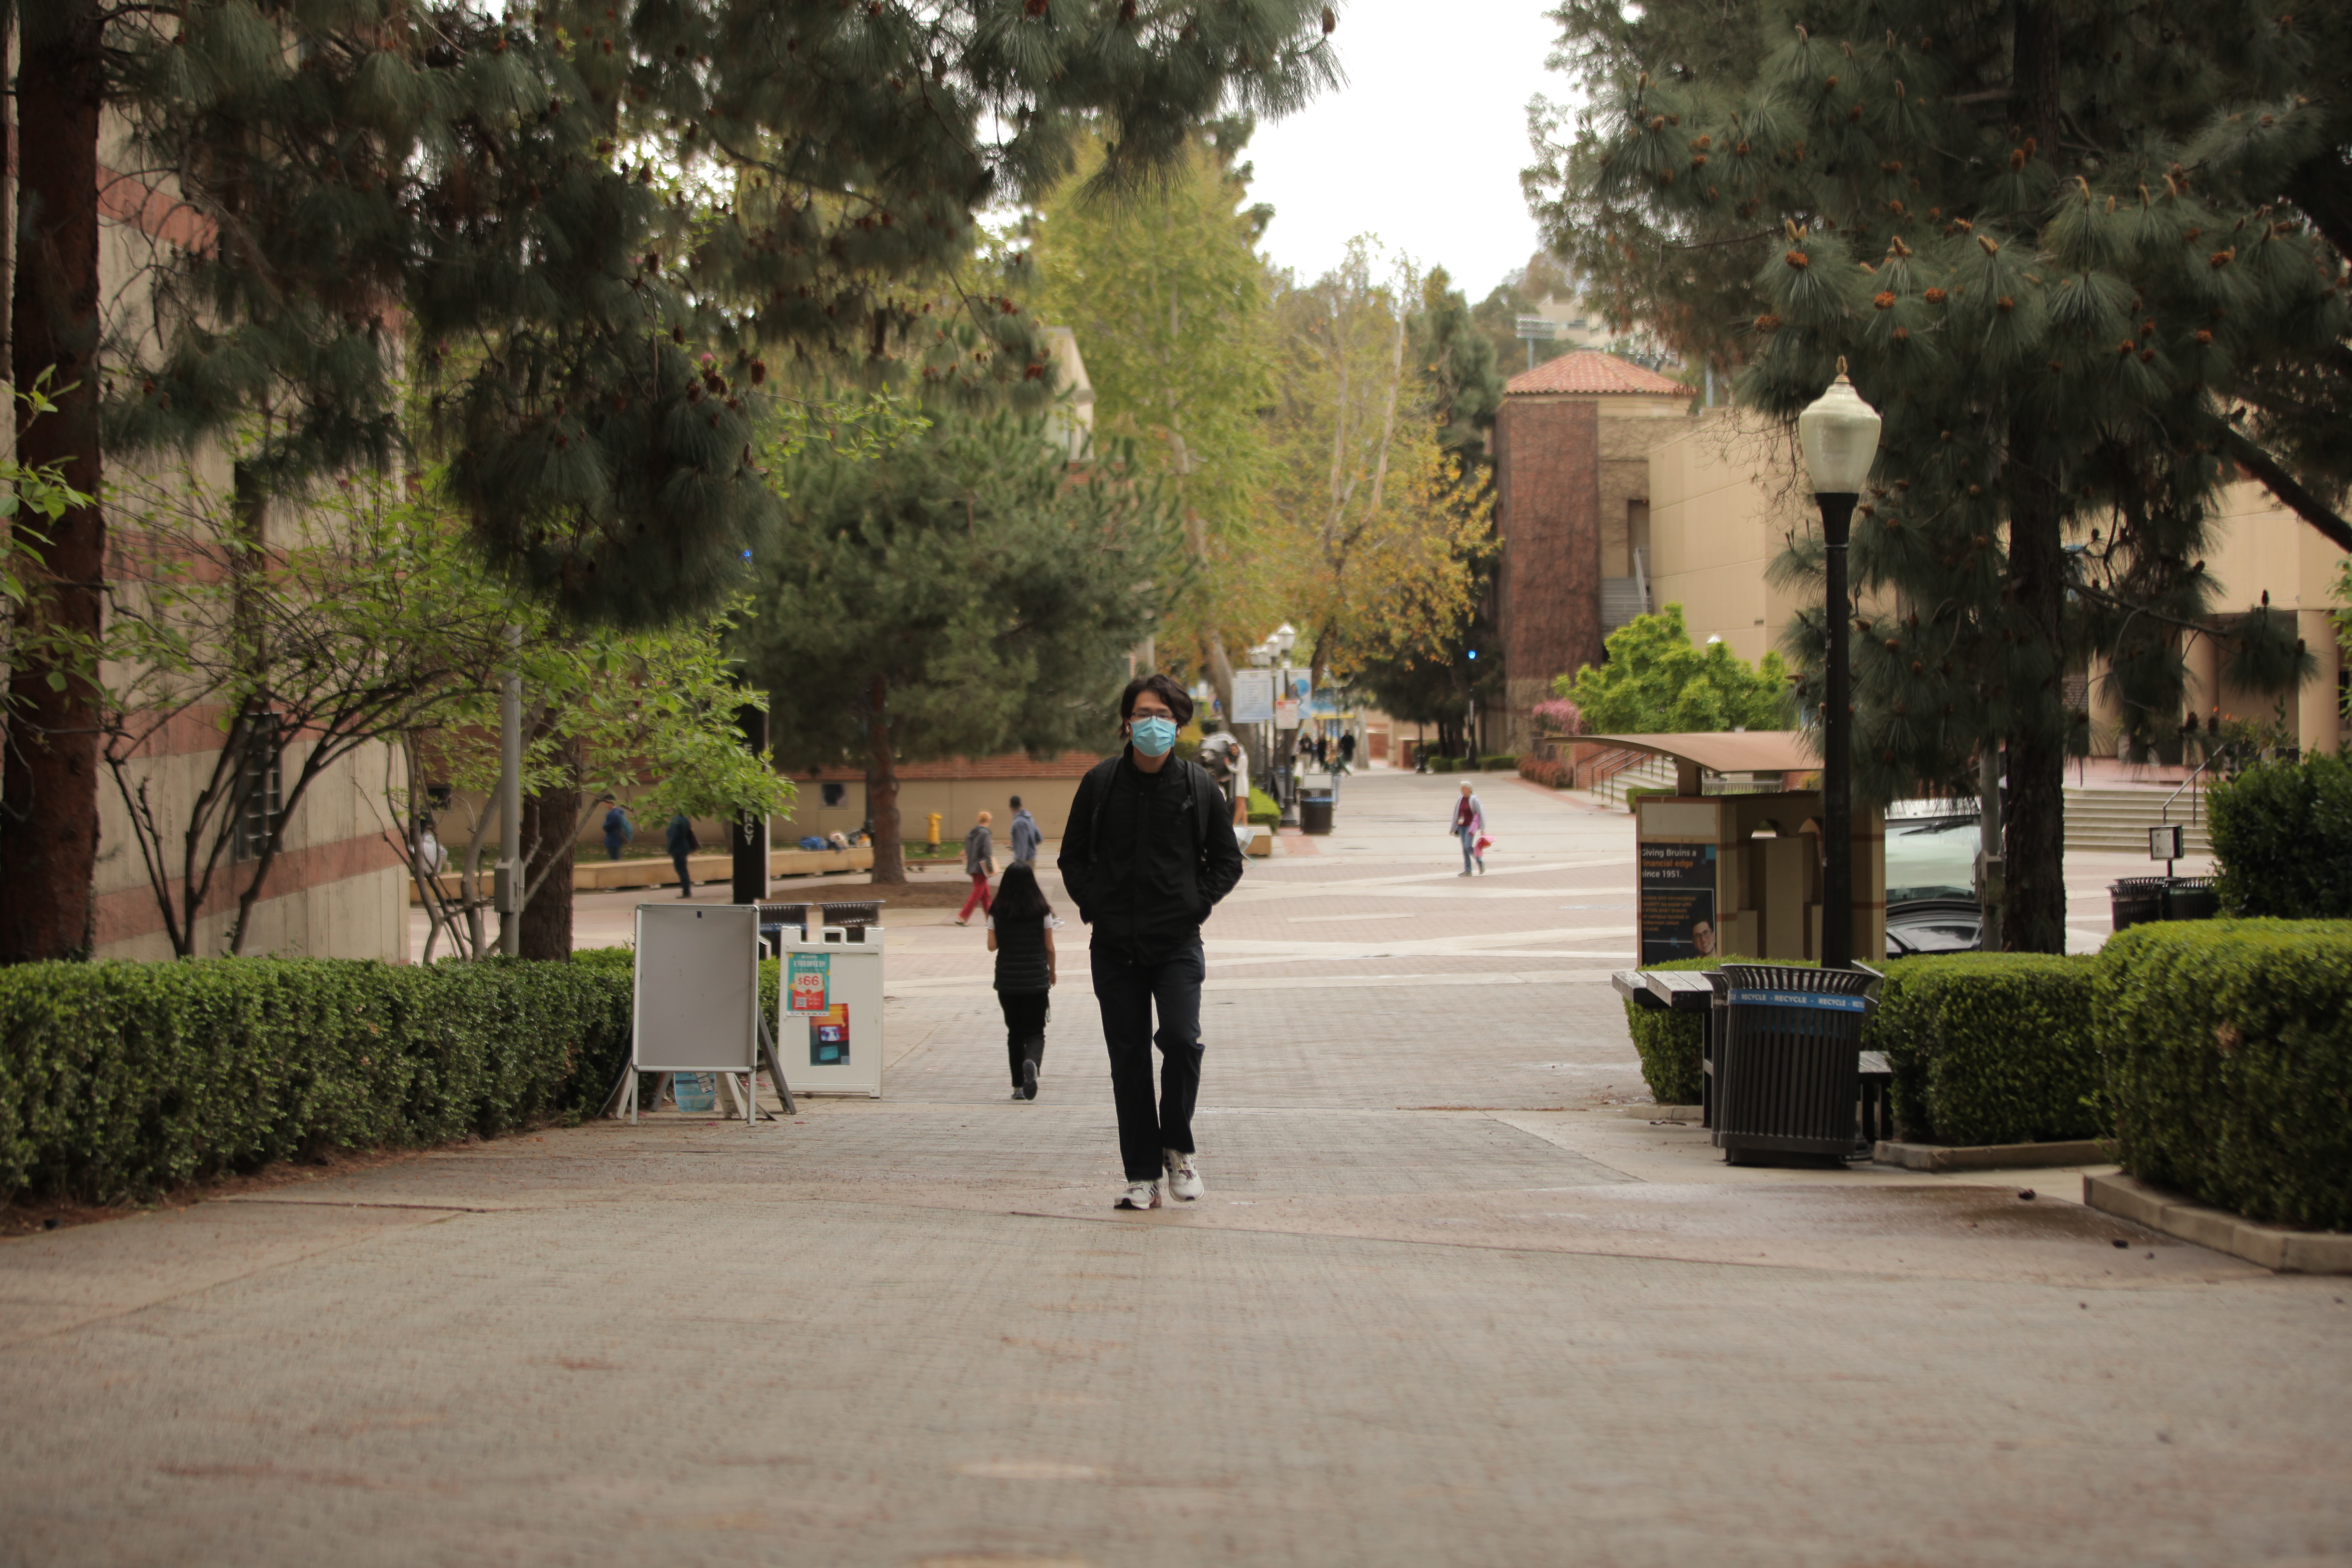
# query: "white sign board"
(1252, 696)
(829, 1013)
(697, 988)
(1285, 715)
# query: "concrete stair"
(1654, 773)
(2115, 821)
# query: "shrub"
(2226, 1048)
(1501, 763)
(117, 1080)
(2282, 834)
(1263, 812)
(1549, 771)
(1672, 1044)
(1443, 764)
(1991, 1048)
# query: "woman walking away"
(1470, 826)
(979, 865)
(1021, 933)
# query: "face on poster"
(1677, 901)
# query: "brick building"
(1572, 488)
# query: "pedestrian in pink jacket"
(1470, 827)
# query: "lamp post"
(1838, 435)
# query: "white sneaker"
(1183, 1181)
(1140, 1195)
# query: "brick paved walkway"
(1453, 1298)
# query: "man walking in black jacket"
(1145, 857)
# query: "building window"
(259, 784)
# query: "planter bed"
(2284, 1247)
(1991, 1156)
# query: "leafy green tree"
(2047, 240)
(1168, 297)
(1656, 683)
(593, 227)
(962, 592)
(1497, 315)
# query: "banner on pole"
(1252, 696)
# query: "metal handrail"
(2165, 815)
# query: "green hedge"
(1499, 762)
(1671, 1043)
(1991, 1048)
(119, 1079)
(1263, 811)
(2227, 1050)
(2281, 835)
(1444, 765)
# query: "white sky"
(1423, 146)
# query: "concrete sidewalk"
(1453, 1298)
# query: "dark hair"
(1016, 802)
(1164, 687)
(1018, 896)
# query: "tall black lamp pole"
(1839, 434)
(747, 833)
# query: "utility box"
(1741, 875)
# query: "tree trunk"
(2035, 921)
(48, 782)
(551, 828)
(882, 790)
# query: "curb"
(1989, 1156)
(2276, 1247)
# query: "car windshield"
(1935, 859)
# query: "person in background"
(681, 844)
(1469, 824)
(1347, 748)
(617, 830)
(979, 865)
(1021, 933)
(1023, 831)
(1146, 855)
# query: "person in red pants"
(979, 865)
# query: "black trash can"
(1787, 1066)
(2191, 899)
(2136, 900)
(1315, 811)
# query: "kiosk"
(1740, 873)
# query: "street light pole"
(1838, 435)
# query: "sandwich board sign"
(829, 1012)
(697, 1007)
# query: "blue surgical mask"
(1154, 737)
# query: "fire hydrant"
(934, 840)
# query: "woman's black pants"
(1024, 1029)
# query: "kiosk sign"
(1677, 901)
(806, 990)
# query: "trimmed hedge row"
(118, 1080)
(2218, 1053)
(1991, 1048)
(2228, 1053)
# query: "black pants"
(684, 882)
(1025, 1029)
(1129, 987)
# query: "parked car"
(1931, 901)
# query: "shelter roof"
(1727, 751)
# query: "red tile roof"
(1590, 371)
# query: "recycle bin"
(1787, 1060)
(2191, 899)
(1315, 810)
(2136, 900)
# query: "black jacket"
(1146, 856)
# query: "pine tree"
(962, 592)
(590, 230)
(2029, 230)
